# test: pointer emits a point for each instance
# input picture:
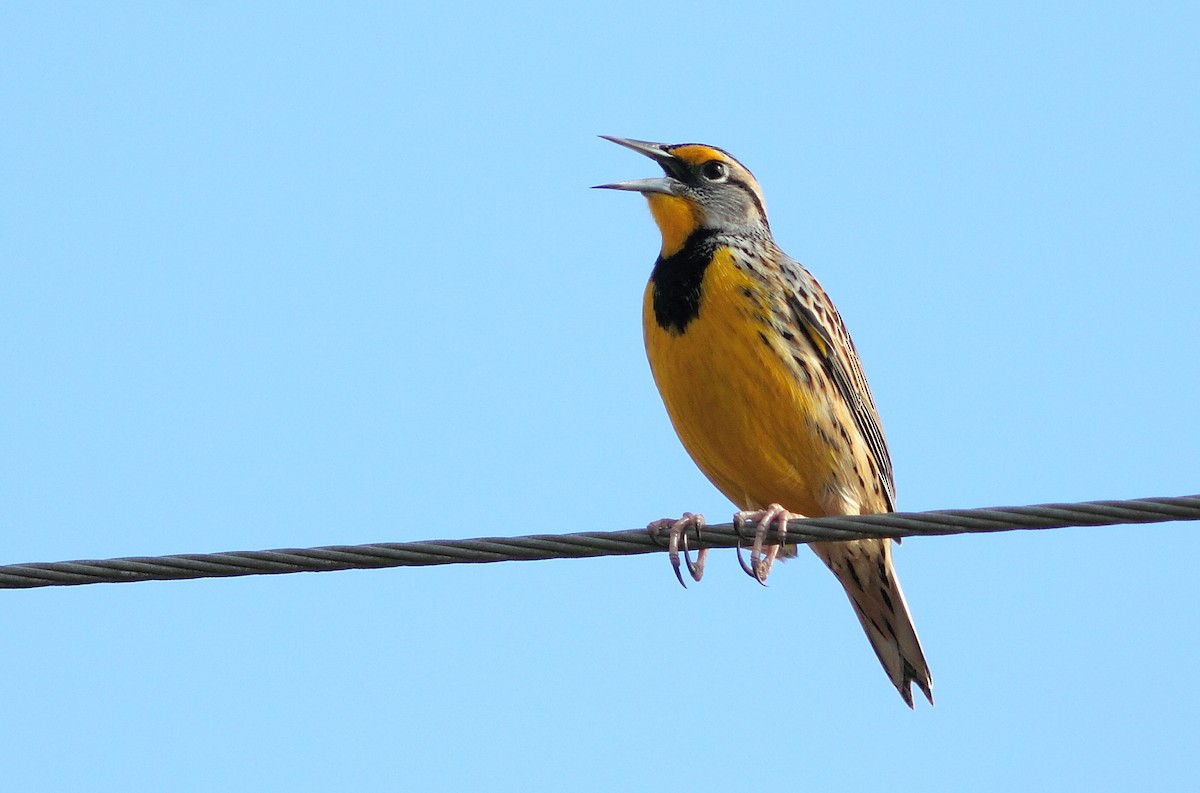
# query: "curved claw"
(678, 530)
(760, 563)
(673, 552)
(738, 523)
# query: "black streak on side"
(677, 279)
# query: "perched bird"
(764, 387)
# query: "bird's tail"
(864, 567)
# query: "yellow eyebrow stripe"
(696, 154)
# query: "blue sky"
(303, 275)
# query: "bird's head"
(702, 188)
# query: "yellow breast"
(743, 413)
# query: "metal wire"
(587, 544)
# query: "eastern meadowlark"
(764, 387)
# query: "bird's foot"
(760, 563)
(677, 531)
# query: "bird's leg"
(760, 564)
(677, 532)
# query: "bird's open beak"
(655, 151)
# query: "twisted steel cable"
(587, 544)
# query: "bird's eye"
(714, 171)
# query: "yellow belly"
(742, 413)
